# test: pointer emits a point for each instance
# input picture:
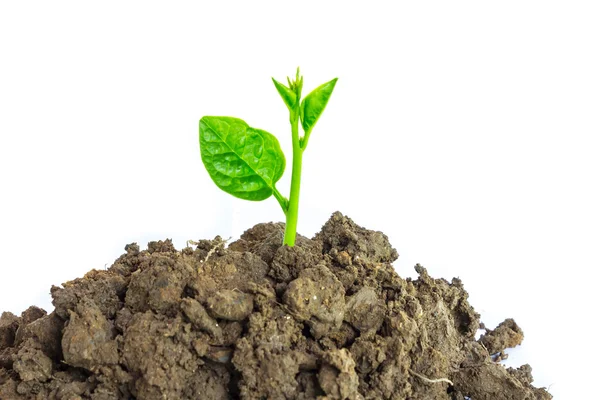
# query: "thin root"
(192, 242)
(220, 243)
(426, 379)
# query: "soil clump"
(326, 319)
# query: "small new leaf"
(288, 95)
(243, 161)
(313, 105)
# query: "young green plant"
(247, 162)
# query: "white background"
(466, 131)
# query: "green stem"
(291, 222)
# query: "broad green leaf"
(313, 105)
(243, 161)
(288, 96)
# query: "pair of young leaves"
(312, 106)
(247, 162)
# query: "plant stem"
(291, 222)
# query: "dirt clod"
(230, 305)
(338, 377)
(9, 323)
(317, 298)
(506, 335)
(365, 311)
(327, 319)
(88, 339)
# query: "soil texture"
(326, 319)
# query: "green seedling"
(247, 162)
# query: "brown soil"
(327, 319)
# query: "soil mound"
(326, 319)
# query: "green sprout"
(247, 162)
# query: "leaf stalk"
(283, 202)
